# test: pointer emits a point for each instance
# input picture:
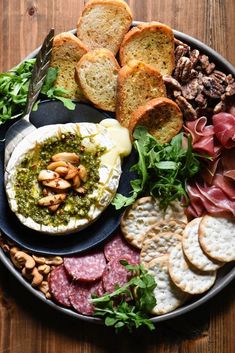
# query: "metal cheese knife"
(23, 127)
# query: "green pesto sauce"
(28, 190)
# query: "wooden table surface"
(29, 326)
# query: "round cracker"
(167, 294)
(143, 214)
(159, 245)
(217, 237)
(185, 276)
(193, 250)
(163, 225)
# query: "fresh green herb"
(162, 169)
(119, 312)
(14, 89)
(52, 92)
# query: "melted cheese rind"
(109, 171)
(119, 135)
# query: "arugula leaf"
(14, 89)
(67, 102)
(163, 169)
(124, 201)
(131, 313)
(50, 79)
(58, 93)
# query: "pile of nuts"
(35, 269)
(196, 86)
(62, 174)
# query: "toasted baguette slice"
(97, 73)
(66, 52)
(104, 23)
(152, 43)
(137, 84)
(161, 116)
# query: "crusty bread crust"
(64, 37)
(161, 116)
(97, 73)
(137, 84)
(66, 52)
(104, 23)
(152, 43)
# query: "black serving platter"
(54, 112)
(225, 275)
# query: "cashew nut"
(44, 288)
(5, 247)
(39, 259)
(13, 251)
(25, 260)
(44, 269)
(55, 260)
(34, 276)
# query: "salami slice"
(117, 246)
(59, 285)
(80, 295)
(115, 274)
(86, 268)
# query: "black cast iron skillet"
(53, 112)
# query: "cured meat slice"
(196, 201)
(59, 285)
(115, 274)
(80, 295)
(224, 126)
(198, 129)
(218, 198)
(228, 162)
(203, 137)
(86, 268)
(117, 246)
(226, 184)
(200, 201)
(209, 170)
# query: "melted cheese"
(120, 137)
(108, 134)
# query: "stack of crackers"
(183, 257)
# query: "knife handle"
(39, 71)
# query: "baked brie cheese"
(61, 177)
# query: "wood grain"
(29, 326)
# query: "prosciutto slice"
(214, 191)
(228, 160)
(198, 129)
(218, 198)
(202, 137)
(226, 184)
(224, 127)
(207, 199)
